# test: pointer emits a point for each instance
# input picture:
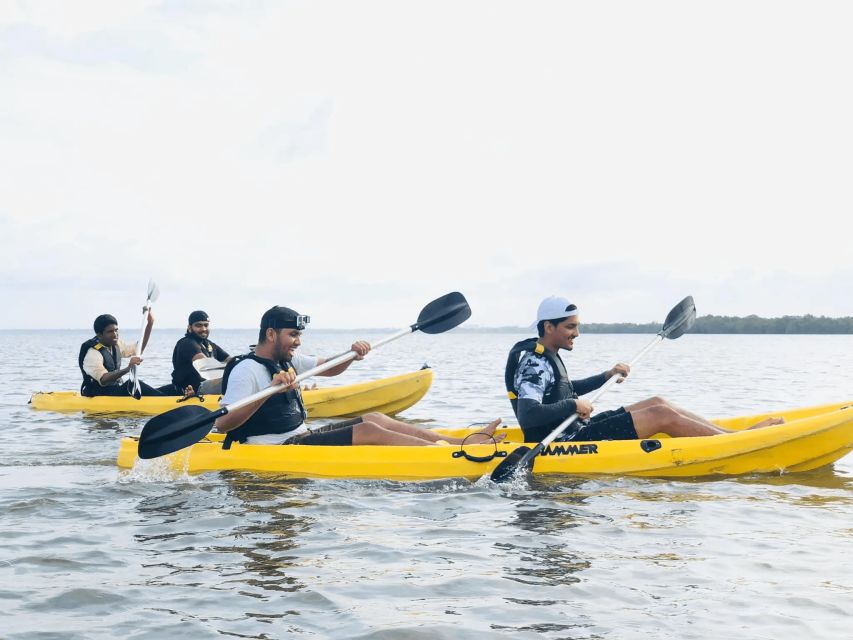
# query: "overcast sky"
(355, 160)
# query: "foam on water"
(155, 470)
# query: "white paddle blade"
(209, 368)
(153, 291)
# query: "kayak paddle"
(153, 294)
(184, 426)
(677, 323)
(209, 368)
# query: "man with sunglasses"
(280, 419)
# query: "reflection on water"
(96, 422)
(828, 477)
(248, 517)
(271, 521)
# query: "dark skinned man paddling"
(100, 360)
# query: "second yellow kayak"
(385, 395)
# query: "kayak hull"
(386, 395)
(810, 438)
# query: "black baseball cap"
(198, 316)
(283, 318)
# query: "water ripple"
(93, 552)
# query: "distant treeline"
(712, 324)
(734, 324)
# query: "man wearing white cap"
(542, 394)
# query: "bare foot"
(488, 433)
(767, 422)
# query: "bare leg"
(663, 419)
(372, 433)
(428, 434)
(657, 401)
(767, 422)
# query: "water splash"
(156, 470)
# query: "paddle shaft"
(573, 418)
(329, 364)
(153, 294)
(215, 367)
(142, 331)
(140, 346)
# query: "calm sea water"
(91, 552)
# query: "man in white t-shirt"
(279, 419)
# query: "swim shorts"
(337, 434)
(607, 425)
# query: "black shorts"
(337, 434)
(607, 425)
(124, 389)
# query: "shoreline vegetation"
(710, 324)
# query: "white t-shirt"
(249, 377)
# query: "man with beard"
(192, 347)
(280, 419)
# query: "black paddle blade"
(174, 430)
(444, 313)
(680, 319)
(510, 465)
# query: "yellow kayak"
(810, 438)
(386, 395)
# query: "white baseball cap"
(555, 307)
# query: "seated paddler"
(100, 360)
(280, 418)
(193, 349)
(543, 395)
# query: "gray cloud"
(143, 50)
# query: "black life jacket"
(280, 413)
(112, 362)
(184, 373)
(562, 388)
